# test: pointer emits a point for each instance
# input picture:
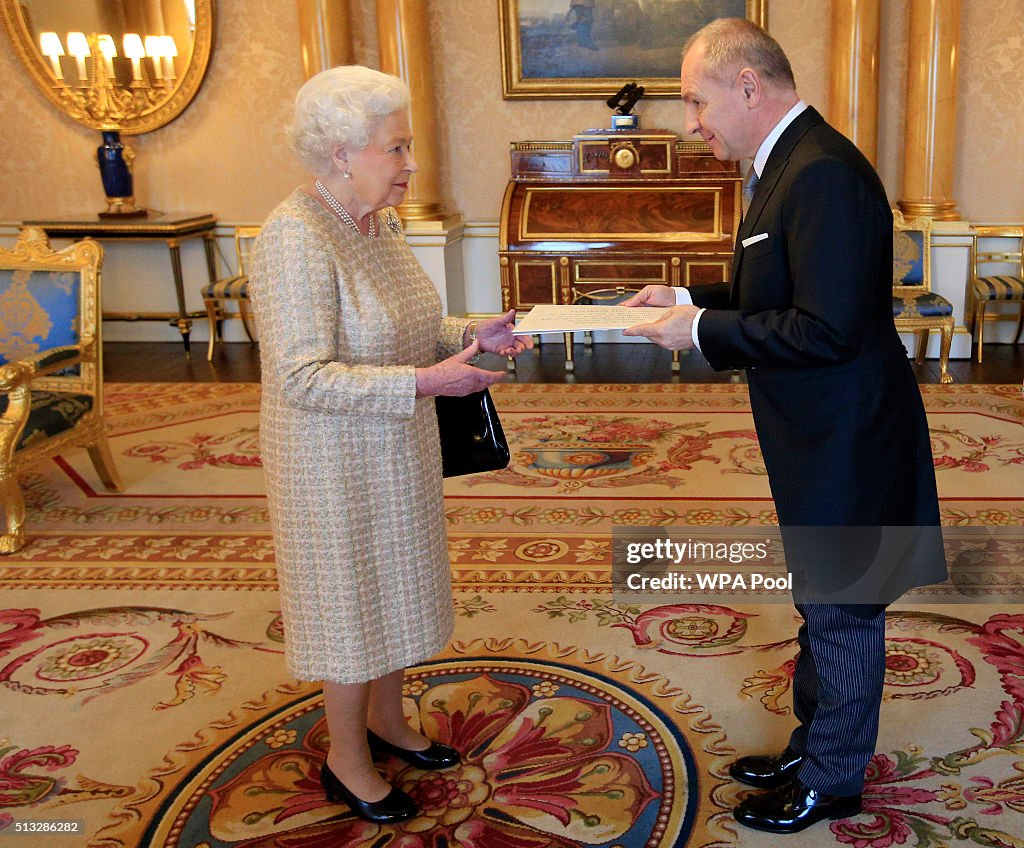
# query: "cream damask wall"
(226, 154)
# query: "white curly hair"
(338, 108)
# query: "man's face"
(715, 109)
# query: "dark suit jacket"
(808, 313)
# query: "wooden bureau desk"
(612, 211)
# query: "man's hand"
(674, 331)
(652, 296)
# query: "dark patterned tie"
(749, 185)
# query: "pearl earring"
(346, 175)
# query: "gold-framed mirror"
(114, 65)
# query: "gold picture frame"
(567, 49)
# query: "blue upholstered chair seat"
(920, 304)
(999, 287)
(52, 413)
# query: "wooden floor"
(604, 363)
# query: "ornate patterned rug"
(146, 703)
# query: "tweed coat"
(351, 456)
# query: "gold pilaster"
(403, 33)
(853, 72)
(930, 138)
(325, 32)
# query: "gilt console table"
(172, 228)
(614, 210)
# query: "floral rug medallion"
(552, 756)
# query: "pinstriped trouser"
(837, 692)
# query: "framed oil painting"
(589, 48)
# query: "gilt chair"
(51, 366)
(997, 276)
(915, 307)
(235, 289)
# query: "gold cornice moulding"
(148, 93)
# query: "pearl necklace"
(342, 212)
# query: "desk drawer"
(638, 273)
(533, 281)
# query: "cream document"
(551, 318)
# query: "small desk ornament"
(623, 102)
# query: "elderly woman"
(353, 349)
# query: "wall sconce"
(52, 49)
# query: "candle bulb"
(50, 46)
(170, 51)
(134, 50)
(105, 44)
(78, 46)
(154, 49)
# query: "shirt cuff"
(683, 299)
(682, 296)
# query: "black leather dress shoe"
(396, 806)
(436, 756)
(793, 807)
(767, 771)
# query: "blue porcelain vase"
(117, 177)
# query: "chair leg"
(13, 539)
(245, 313)
(570, 364)
(922, 345)
(103, 462)
(212, 314)
(980, 321)
(944, 345)
(1020, 323)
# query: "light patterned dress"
(351, 456)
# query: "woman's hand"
(495, 336)
(652, 296)
(455, 376)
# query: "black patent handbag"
(472, 440)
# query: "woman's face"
(381, 170)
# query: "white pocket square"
(754, 239)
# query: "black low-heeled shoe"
(432, 758)
(396, 806)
